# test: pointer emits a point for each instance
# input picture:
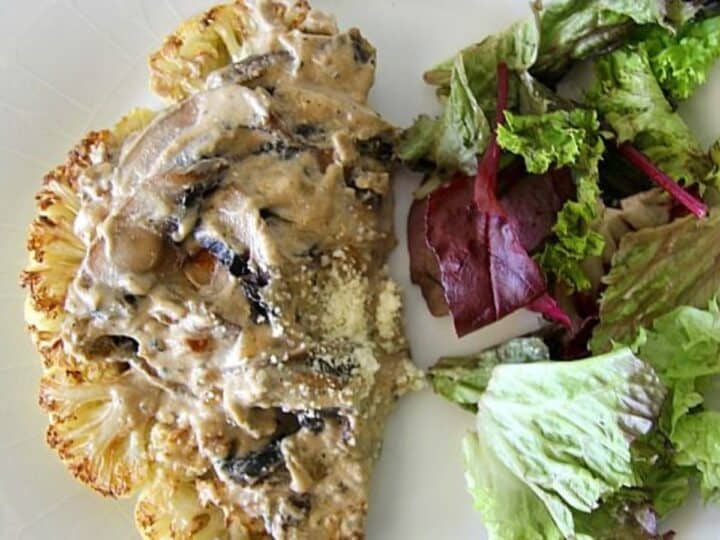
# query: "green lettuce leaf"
(654, 271)
(556, 139)
(683, 346)
(631, 101)
(517, 47)
(417, 142)
(454, 140)
(468, 83)
(463, 379)
(564, 138)
(664, 484)
(626, 516)
(696, 438)
(668, 486)
(510, 509)
(575, 238)
(571, 30)
(565, 428)
(681, 61)
(681, 11)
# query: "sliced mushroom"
(255, 70)
(189, 131)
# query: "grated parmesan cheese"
(345, 316)
(388, 313)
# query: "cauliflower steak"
(207, 285)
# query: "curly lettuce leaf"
(564, 138)
(654, 271)
(575, 240)
(629, 98)
(463, 379)
(555, 139)
(565, 428)
(454, 140)
(571, 30)
(681, 61)
(668, 486)
(664, 484)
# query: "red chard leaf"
(548, 307)
(533, 204)
(481, 252)
(485, 271)
(424, 268)
(677, 192)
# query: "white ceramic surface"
(67, 66)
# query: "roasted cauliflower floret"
(169, 509)
(55, 252)
(94, 425)
(101, 428)
(216, 38)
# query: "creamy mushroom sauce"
(235, 259)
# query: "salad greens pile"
(602, 213)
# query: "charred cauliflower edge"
(210, 41)
(84, 401)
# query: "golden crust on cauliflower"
(88, 425)
(54, 251)
(100, 429)
(210, 41)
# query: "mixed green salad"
(599, 209)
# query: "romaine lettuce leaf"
(681, 61)
(510, 509)
(630, 100)
(565, 428)
(654, 271)
(575, 29)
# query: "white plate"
(67, 66)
